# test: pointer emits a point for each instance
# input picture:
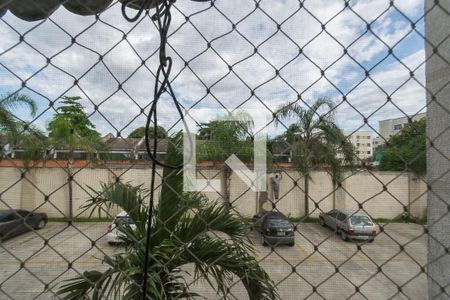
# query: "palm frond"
(321, 103)
(14, 101)
(129, 198)
(8, 124)
(291, 110)
(219, 261)
(212, 218)
(91, 285)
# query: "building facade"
(391, 127)
(377, 142)
(363, 143)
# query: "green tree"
(315, 140)
(222, 138)
(18, 133)
(71, 120)
(140, 132)
(10, 127)
(187, 230)
(33, 141)
(72, 130)
(406, 150)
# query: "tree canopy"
(71, 127)
(222, 138)
(406, 150)
(314, 137)
(71, 120)
(140, 132)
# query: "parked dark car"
(350, 224)
(15, 222)
(276, 229)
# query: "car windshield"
(360, 221)
(278, 223)
(123, 220)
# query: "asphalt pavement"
(319, 266)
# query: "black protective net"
(315, 134)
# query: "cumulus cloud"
(257, 58)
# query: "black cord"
(163, 18)
(139, 13)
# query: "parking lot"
(295, 269)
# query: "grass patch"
(402, 219)
(405, 219)
(304, 220)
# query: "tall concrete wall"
(10, 188)
(361, 188)
(381, 194)
(321, 193)
(418, 197)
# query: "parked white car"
(114, 235)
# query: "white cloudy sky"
(299, 73)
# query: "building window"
(368, 144)
(357, 144)
(368, 152)
(368, 137)
(398, 127)
(280, 158)
(19, 154)
(357, 136)
(357, 151)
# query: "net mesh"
(345, 99)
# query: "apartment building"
(390, 127)
(377, 141)
(362, 141)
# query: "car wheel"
(111, 243)
(41, 224)
(291, 244)
(344, 236)
(263, 240)
(371, 240)
(1, 238)
(321, 222)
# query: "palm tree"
(9, 126)
(184, 232)
(18, 133)
(315, 140)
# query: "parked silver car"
(350, 224)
